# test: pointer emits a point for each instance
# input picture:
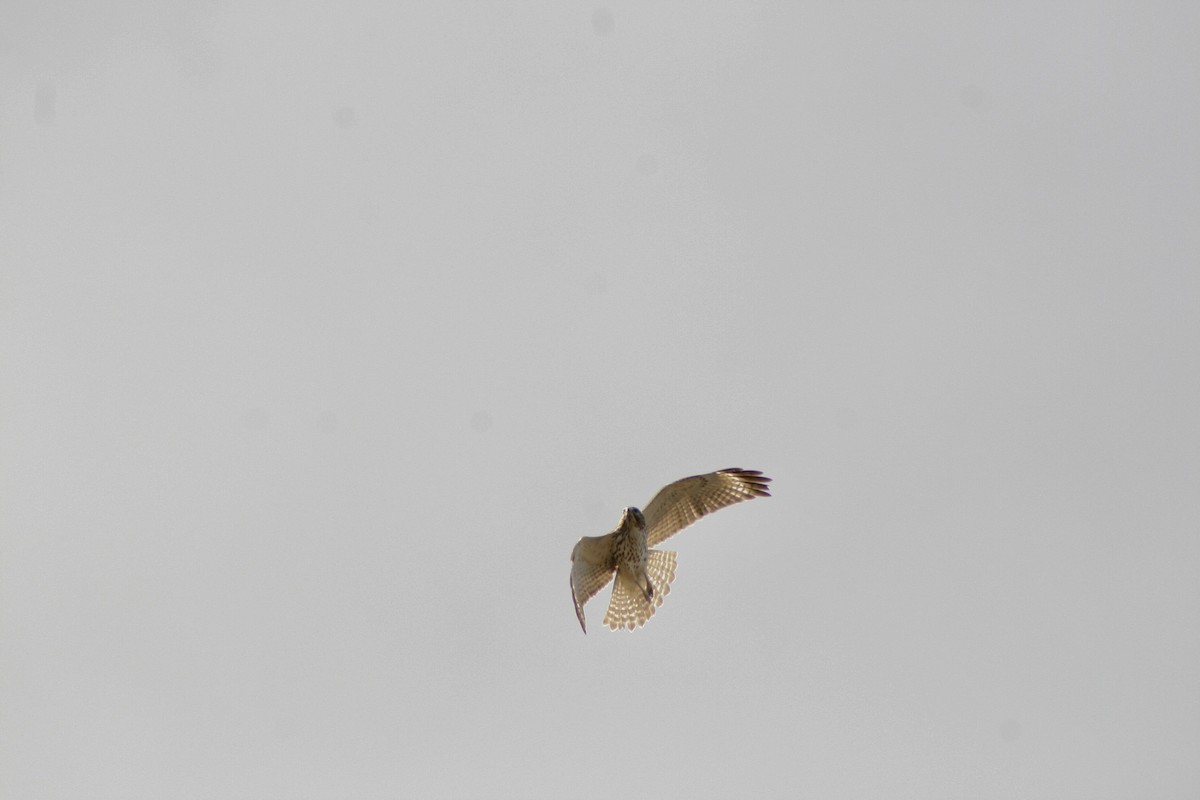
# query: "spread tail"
(629, 607)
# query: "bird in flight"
(643, 576)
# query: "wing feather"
(679, 504)
(592, 567)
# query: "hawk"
(643, 576)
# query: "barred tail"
(629, 608)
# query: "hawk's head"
(633, 516)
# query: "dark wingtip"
(753, 480)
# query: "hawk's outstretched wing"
(681, 503)
(592, 567)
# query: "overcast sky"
(327, 330)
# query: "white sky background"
(325, 333)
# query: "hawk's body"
(643, 576)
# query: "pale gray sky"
(325, 331)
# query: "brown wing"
(681, 503)
(592, 567)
